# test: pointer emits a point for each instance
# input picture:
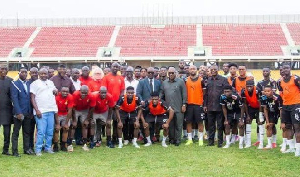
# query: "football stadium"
(92, 131)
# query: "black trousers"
(213, 118)
(31, 133)
(6, 134)
(26, 126)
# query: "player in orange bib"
(158, 115)
(128, 112)
(239, 82)
(251, 97)
(289, 86)
(195, 87)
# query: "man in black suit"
(20, 95)
(144, 90)
(5, 107)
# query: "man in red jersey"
(115, 85)
(85, 78)
(84, 105)
(102, 114)
(64, 102)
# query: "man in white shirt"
(129, 80)
(44, 108)
(75, 78)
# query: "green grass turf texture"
(154, 160)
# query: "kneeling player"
(271, 104)
(231, 106)
(64, 102)
(157, 115)
(128, 109)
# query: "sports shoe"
(109, 144)
(85, 148)
(120, 146)
(260, 147)
(38, 154)
(154, 139)
(49, 151)
(55, 147)
(140, 138)
(196, 138)
(63, 148)
(268, 147)
(274, 145)
(256, 143)
(70, 148)
(92, 145)
(148, 144)
(226, 146)
(136, 145)
(289, 151)
(283, 149)
(163, 143)
(297, 153)
(200, 143)
(98, 143)
(247, 146)
(126, 142)
(241, 146)
(189, 142)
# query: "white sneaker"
(241, 146)
(136, 145)
(148, 144)
(164, 144)
(70, 148)
(268, 146)
(126, 142)
(260, 146)
(85, 148)
(247, 146)
(297, 153)
(289, 151)
(226, 146)
(120, 145)
(283, 149)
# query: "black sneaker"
(92, 145)
(110, 144)
(55, 147)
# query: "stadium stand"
(11, 38)
(294, 29)
(244, 39)
(71, 41)
(171, 40)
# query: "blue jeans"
(45, 128)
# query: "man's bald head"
(84, 88)
(103, 89)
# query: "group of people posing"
(129, 104)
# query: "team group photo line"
(180, 105)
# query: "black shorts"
(291, 114)
(195, 114)
(130, 117)
(253, 113)
(273, 117)
(233, 118)
(160, 119)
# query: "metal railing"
(239, 19)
